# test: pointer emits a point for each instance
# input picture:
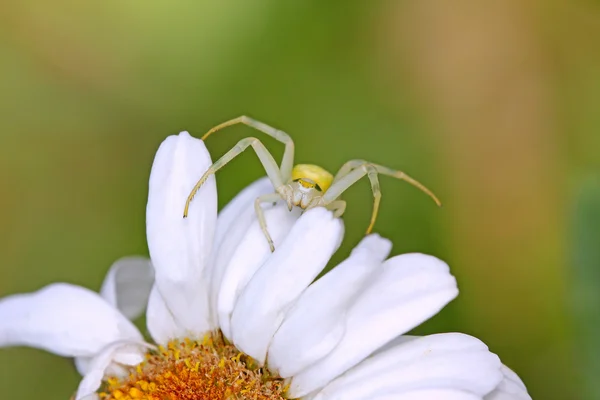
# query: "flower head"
(231, 320)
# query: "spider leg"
(341, 183)
(347, 167)
(354, 170)
(265, 198)
(352, 164)
(287, 162)
(267, 160)
(338, 207)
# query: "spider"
(302, 185)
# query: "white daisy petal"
(510, 388)
(228, 216)
(429, 394)
(445, 361)
(127, 285)
(232, 224)
(408, 290)
(316, 323)
(223, 255)
(180, 247)
(124, 353)
(277, 284)
(160, 321)
(64, 319)
(395, 342)
(82, 364)
(248, 256)
(127, 288)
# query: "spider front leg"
(338, 207)
(265, 198)
(287, 162)
(267, 160)
(354, 170)
(341, 183)
(352, 164)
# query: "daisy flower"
(231, 320)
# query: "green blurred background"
(495, 106)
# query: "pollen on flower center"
(190, 370)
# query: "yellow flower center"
(189, 370)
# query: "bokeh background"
(494, 105)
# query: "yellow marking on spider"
(309, 175)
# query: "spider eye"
(307, 183)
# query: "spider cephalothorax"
(307, 186)
(304, 185)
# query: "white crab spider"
(303, 185)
